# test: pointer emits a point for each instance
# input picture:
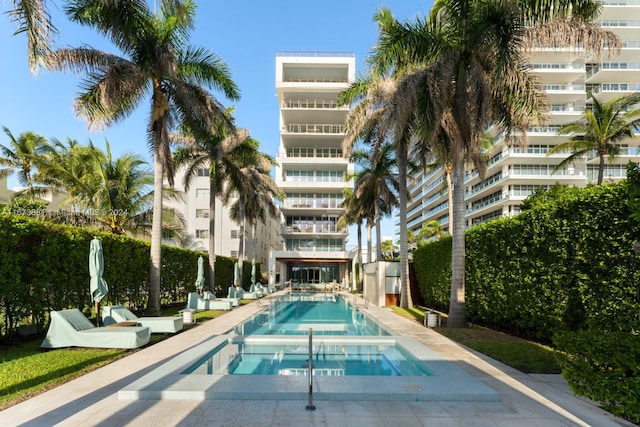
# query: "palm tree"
(112, 194)
(353, 215)
(32, 17)
(463, 69)
(21, 156)
(256, 200)
(156, 61)
(219, 151)
(430, 229)
(377, 180)
(249, 178)
(602, 128)
(388, 249)
(375, 119)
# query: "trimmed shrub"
(45, 267)
(604, 368)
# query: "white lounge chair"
(195, 302)
(158, 325)
(212, 297)
(71, 328)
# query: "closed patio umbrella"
(253, 277)
(236, 275)
(200, 279)
(97, 285)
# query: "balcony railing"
(310, 204)
(315, 80)
(312, 103)
(621, 2)
(315, 54)
(314, 128)
(557, 66)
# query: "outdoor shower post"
(310, 406)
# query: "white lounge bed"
(158, 325)
(196, 302)
(71, 328)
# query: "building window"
(202, 192)
(203, 172)
(235, 234)
(202, 213)
(201, 234)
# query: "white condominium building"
(195, 208)
(311, 169)
(571, 80)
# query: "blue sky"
(246, 34)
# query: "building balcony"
(314, 128)
(564, 93)
(312, 104)
(325, 160)
(313, 255)
(608, 91)
(621, 71)
(559, 71)
(324, 230)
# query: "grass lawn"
(526, 356)
(25, 370)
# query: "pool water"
(329, 359)
(297, 313)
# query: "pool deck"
(92, 400)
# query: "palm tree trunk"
(213, 190)
(457, 317)
(369, 246)
(376, 210)
(241, 242)
(360, 271)
(601, 169)
(155, 258)
(254, 239)
(450, 200)
(405, 291)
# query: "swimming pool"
(336, 357)
(447, 381)
(325, 314)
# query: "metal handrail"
(310, 406)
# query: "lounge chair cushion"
(235, 302)
(71, 328)
(195, 302)
(157, 325)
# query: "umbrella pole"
(97, 314)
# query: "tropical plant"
(376, 120)
(157, 62)
(256, 200)
(603, 127)
(431, 228)
(388, 249)
(32, 17)
(249, 182)
(20, 157)
(112, 194)
(465, 68)
(353, 215)
(220, 151)
(377, 180)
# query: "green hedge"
(563, 271)
(45, 267)
(566, 263)
(604, 368)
